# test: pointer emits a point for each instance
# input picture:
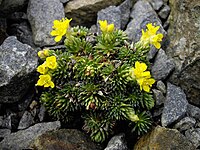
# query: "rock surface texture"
(22, 139)
(41, 15)
(84, 12)
(117, 143)
(164, 139)
(66, 139)
(18, 61)
(142, 14)
(175, 105)
(184, 34)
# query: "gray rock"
(184, 46)
(193, 135)
(193, 111)
(152, 53)
(41, 15)
(3, 28)
(156, 4)
(17, 17)
(161, 86)
(164, 12)
(64, 139)
(10, 6)
(175, 105)
(26, 101)
(185, 124)
(26, 121)
(161, 138)
(84, 12)
(117, 143)
(158, 96)
(18, 62)
(112, 14)
(1, 121)
(4, 132)
(23, 138)
(142, 14)
(10, 122)
(125, 9)
(24, 34)
(157, 112)
(64, 1)
(41, 113)
(162, 66)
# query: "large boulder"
(68, 139)
(18, 62)
(84, 12)
(162, 138)
(41, 15)
(22, 139)
(184, 46)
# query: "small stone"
(125, 9)
(64, 1)
(162, 66)
(41, 113)
(1, 121)
(164, 12)
(193, 111)
(4, 132)
(156, 4)
(161, 86)
(185, 124)
(26, 121)
(157, 112)
(10, 122)
(158, 96)
(193, 135)
(142, 13)
(166, 25)
(23, 138)
(162, 138)
(175, 105)
(112, 14)
(152, 53)
(23, 104)
(117, 143)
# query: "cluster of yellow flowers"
(139, 73)
(142, 76)
(150, 37)
(105, 27)
(49, 64)
(60, 28)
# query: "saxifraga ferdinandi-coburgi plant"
(105, 80)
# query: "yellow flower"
(105, 27)
(51, 62)
(43, 54)
(45, 80)
(150, 37)
(142, 76)
(42, 68)
(60, 28)
(146, 83)
(139, 71)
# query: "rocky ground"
(24, 30)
